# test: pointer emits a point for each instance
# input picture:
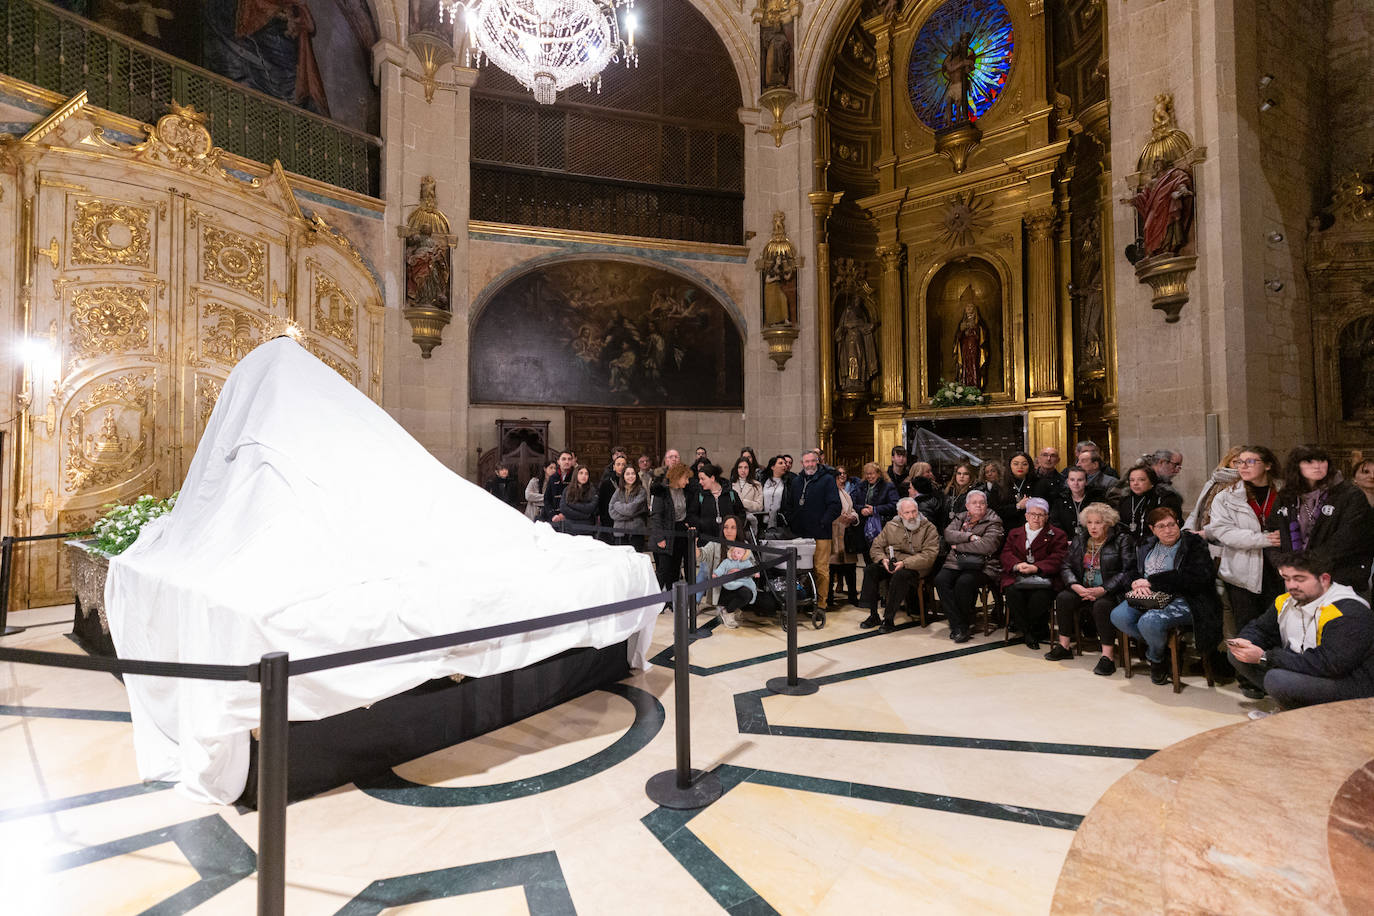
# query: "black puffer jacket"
(1343, 534)
(1117, 559)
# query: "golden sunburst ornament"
(965, 216)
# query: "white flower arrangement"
(118, 528)
(952, 394)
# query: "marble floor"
(923, 777)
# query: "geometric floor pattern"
(923, 777)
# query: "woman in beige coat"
(843, 565)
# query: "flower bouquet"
(952, 394)
(120, 525)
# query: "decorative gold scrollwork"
(235, 335)
(107, 232)
(207, 395)
(99, 458)
(109, 319)
(53, 252)
(335, 315)
(233, 260)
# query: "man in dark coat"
(504, 487)
(815, 506)
(556, 484)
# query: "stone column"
(890, 343)
(1042, 326)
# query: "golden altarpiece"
(144, 271)
(958, 176)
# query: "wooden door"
(592, 431)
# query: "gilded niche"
(109, 319)
(335, 315)
(106, 232)
(103, 452)
(233, 260)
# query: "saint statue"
(957, 66)
(779, 267)
(970, 343)
(856, 348)
(427, 252)
(777, 56)
(1164, 206)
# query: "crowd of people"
(1285, 547)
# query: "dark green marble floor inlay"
(649, 717)
(539, 875)
(671, 827)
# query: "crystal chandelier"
(548, 45)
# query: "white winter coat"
(1236, 528)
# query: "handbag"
(873, 526)
(1151, 602)
(779, 532)
(969, 562)
(854, 540)
(1028, 582)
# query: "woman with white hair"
(1031, 557)
(975, 540)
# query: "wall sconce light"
(1267, 104)
(1266, 80)
(1274, 286)
(1274, 237)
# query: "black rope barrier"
(190, 670)
(7, 571)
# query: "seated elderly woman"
(975, 539)
(1031, 557)
(1096, 571)
(1175, 567)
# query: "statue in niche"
(856, 348)
(1357, 369)
(1164, 211)
(779, 267)
(1089, 295)
(777, 38)
(970, 343)
(427, 252)
(958, 65)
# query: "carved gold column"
(1042, 325)
(822, 202)
(1064, 295)
(881, 30)
(891, 339)
(1096, 120)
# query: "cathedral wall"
(1349, 103)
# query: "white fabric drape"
(310, 522)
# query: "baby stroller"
(774, 592)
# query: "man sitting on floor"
(902, 554)
(1315, 645)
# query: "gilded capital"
(1040, 223)
(891, 256)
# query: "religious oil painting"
(606, 333)
(314, 54)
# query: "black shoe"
(1105, 667)
(1058, 653)
(871, 621)
(886, 627)
(1252, 692)
(963, 636)
(1159, 673)
(1032, 643)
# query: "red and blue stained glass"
(986, 27)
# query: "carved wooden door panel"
(102, 429)
(233, 288)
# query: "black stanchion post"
(682, 787)
(792, 685)
(6, 575)
(692, 597)
(272, 764)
